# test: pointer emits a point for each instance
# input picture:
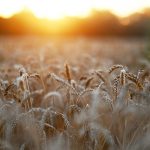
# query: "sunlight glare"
(57, 9)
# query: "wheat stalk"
(114, 67)
(133, 78)
(115, 86)
(67, 71)
(58, 79)
(122, 77)
(100, 75)
(88, 82)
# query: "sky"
(55, 9)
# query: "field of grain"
(74, 94)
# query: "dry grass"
(88, 104)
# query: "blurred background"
(112, 31)
(75, 18)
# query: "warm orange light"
(56, 9)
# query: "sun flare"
(56, 9)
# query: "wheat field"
(74, 94)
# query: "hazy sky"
(61, 8)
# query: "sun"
(58, 9)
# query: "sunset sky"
(55, 9)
